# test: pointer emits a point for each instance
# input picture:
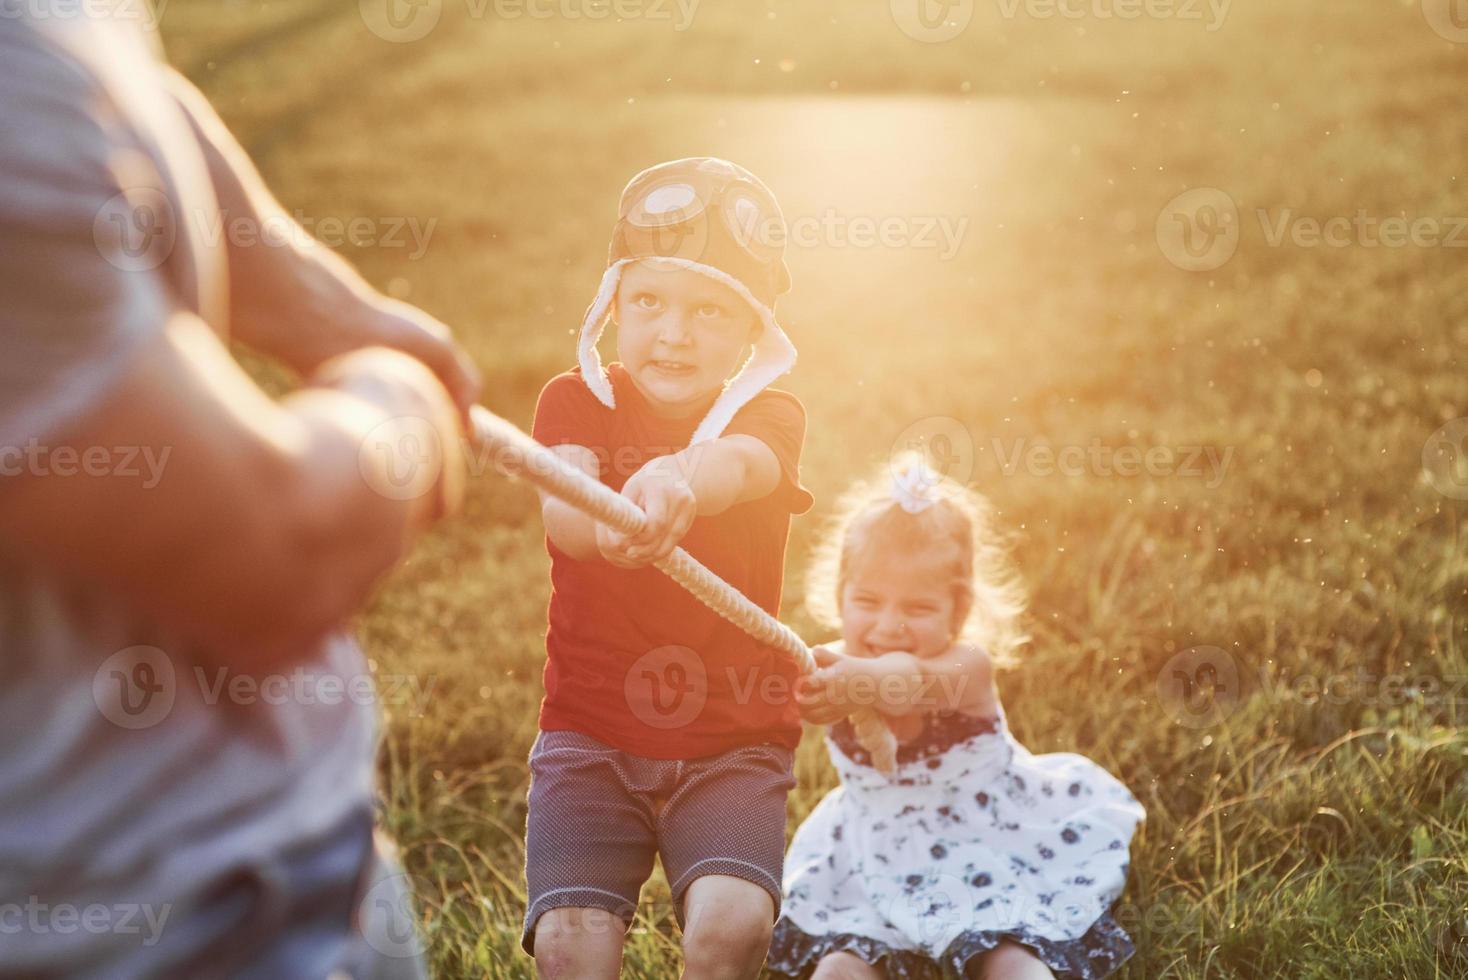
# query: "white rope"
(517, 455)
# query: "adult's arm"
(270, 522)
(292, 297)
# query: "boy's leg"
(722, 839)
(571, 943)
(727, 926)
(589, 846)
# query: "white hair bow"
(914, 487)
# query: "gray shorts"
(597, 816)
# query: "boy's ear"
(756, 327)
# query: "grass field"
(1308, 804)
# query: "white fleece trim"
(592, 326)
(770, 357)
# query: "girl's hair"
(989, 597)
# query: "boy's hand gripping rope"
(516, 454)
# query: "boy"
(655, 734)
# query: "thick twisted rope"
(517, 455)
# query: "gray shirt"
(132, 781)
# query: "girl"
(973, 856)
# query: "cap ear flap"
(592, 326)
(771, 355)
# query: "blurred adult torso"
(149, 805)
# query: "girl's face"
(900, 600)
(679, 335)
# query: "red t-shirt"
(631, 658)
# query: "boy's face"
(679, 334)
(899, 601)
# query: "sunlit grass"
(1298, 837)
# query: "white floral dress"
(970, 841)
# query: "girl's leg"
(846, 966)
(1009, 961)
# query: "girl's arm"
(960, 678)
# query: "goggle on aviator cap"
(715, 218)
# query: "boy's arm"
(700, 481)
(571, 530)
(727, 471)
